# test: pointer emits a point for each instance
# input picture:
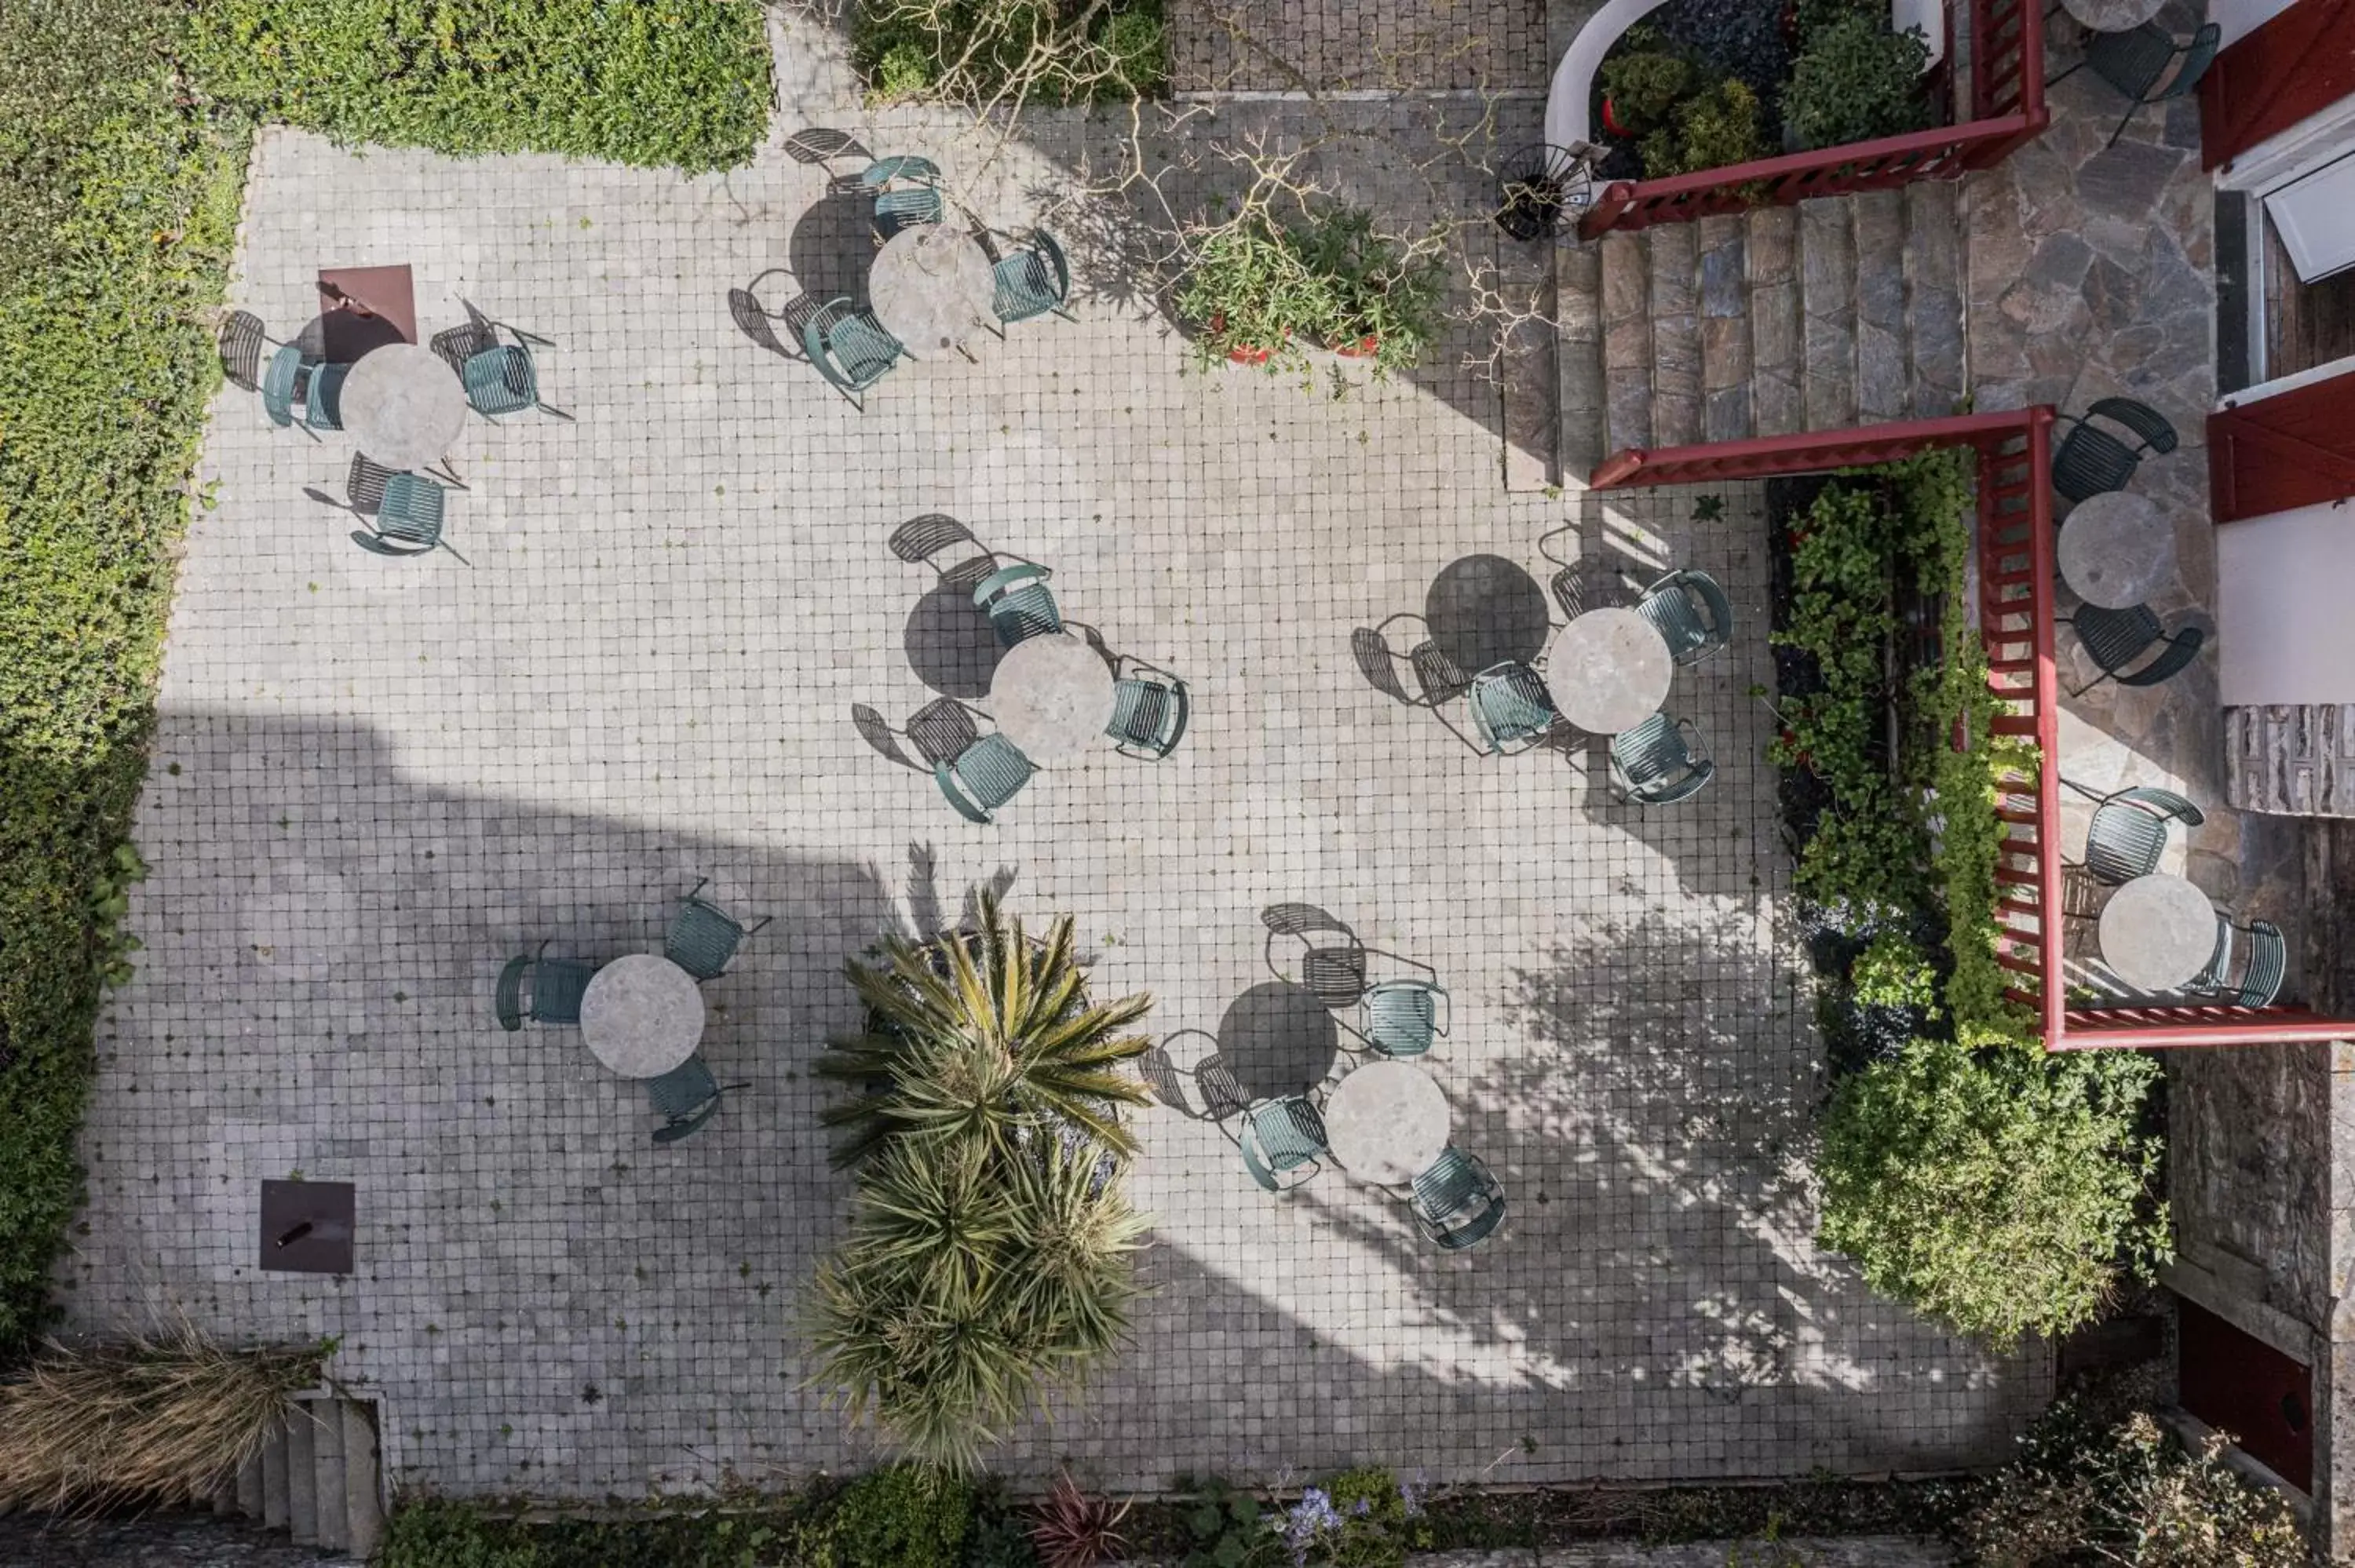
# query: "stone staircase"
(1841, 310)
(315, 1477)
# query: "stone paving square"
(677, 637)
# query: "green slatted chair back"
(501, 380)
(280, 385)
(849, 346)
(1457, 1203)
(1660, 762)
(1691, 612)
(410, 510)
(557, 987)
(910, 207)
(1032, 281)
(1509, 707)
(2122, 842)
(900, 166)
(508, 1001)
(685, 1098)
(2268, 965)
(983, 777)
(322, 399)
(702, 937)
(1402, 1016)
(1280, 1136)
(1149, 714)
(1019, 603)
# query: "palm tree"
(984, 1035)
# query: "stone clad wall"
(2294, 759)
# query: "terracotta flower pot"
(1243, 353)
(1611, 120)
(1363, 348)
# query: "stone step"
(1771, 254)
(363, 1496)
(1827, 304)
(1628, 338)
(1934, 296)
(1578, 355)
(302, 1476)
(1725, 365)
(274, 1477)
(1675, 334)
(1881, 359)
(328, 1471)
(249, 1486)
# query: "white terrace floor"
(375, 781)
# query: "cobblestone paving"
(1292, 45)
(679, 645)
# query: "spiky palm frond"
(983, 1034)
(1070, 1276)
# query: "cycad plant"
(992, 1250)
(984, 1033)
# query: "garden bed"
(1705, 84)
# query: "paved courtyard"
(677, 646)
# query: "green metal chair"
(410, 514)
(1032, 281)
(503, 380)
(1019, 603)
(323, 399)
(2090, 461)
(282, 384)
(1148, 713)
(850, 348)
(983, 777)
(2117, 638)
(555, 986)
(702, 937)
(685, 1098)
(1509, 707)
(2262, 972)
(1659, 762)
(897, 206)
(1457, 1203)
(1403, 1016)
(2128, 832)
(2136, 60)
(1280, 1136)
(1691, 612)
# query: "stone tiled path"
(1290, 45)
(677, 645)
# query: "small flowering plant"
(1360, 1519)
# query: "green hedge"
(115, 222)
(681, 82)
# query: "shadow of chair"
(877, 731)
(821, 144)
(942, 731)
(756, 321)
(1376, 662)
(1332, 971)
(1217, 1094)
(923, 540)
(240, 342)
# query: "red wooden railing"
(2014, 560)
(2007, 108)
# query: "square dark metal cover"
(306, 1226)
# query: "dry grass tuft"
(139, 1420)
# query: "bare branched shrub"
(139, 1420)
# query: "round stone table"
(2117, 549)
(2111, 16)
(1386, 1122)
(1052, 697)
(403, 407)
(930, 287)
(2157, 932)
(1609, 671)
(642, 1015)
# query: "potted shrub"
(1248, 291)
(1856, 80)
(1381, 298)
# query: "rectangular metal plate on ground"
(306, 1226)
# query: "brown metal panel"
(2244, 1386)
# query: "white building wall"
(2237, 17)
(2286, 607)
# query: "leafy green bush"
(1248, 290)
(682, 82)
(991, 1250)
(907, 1517)
(1998, 1190)
(1855, 80)
(1710, 130)
(1228, 1529)
(1373, 288)
(2085, 1489)
(115, 239)
(1257, 287)
(1003, 54)
(1644, 85)
(431, 1533)
(1366, 1521)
